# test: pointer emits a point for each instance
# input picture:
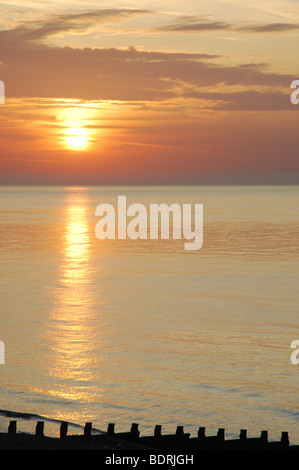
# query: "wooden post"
(110, 429)
(134, 430)
(243, 434)
(180, 434)
(39, 430)
(87, 429)
(63, 429)
(179, 431)
(158, 430)
(12, 428)
(285, 439)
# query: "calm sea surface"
(143, 331)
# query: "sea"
(144, 331)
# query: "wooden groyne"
(132, 440)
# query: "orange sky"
(124, 95)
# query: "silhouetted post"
(110, 429)
(179, 431)
(201, 433)
(158, 430)
(220, 434)
(63, 429)
(134, 430)
(264, 438)
(39, 430)
(285, 439)
(12, 428)
(243, 434)
(180, 434)
(87, 429)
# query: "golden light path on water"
(71, 321)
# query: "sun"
(76, 142)
(77, 127)
(76, 139)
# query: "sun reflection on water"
(72, 331)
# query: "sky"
(147, 92)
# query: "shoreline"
(132, 440)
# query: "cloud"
(71, 23)
(270, 28)
(193, 24)
(36, 69)
(249, 100)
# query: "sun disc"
(76, 140)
